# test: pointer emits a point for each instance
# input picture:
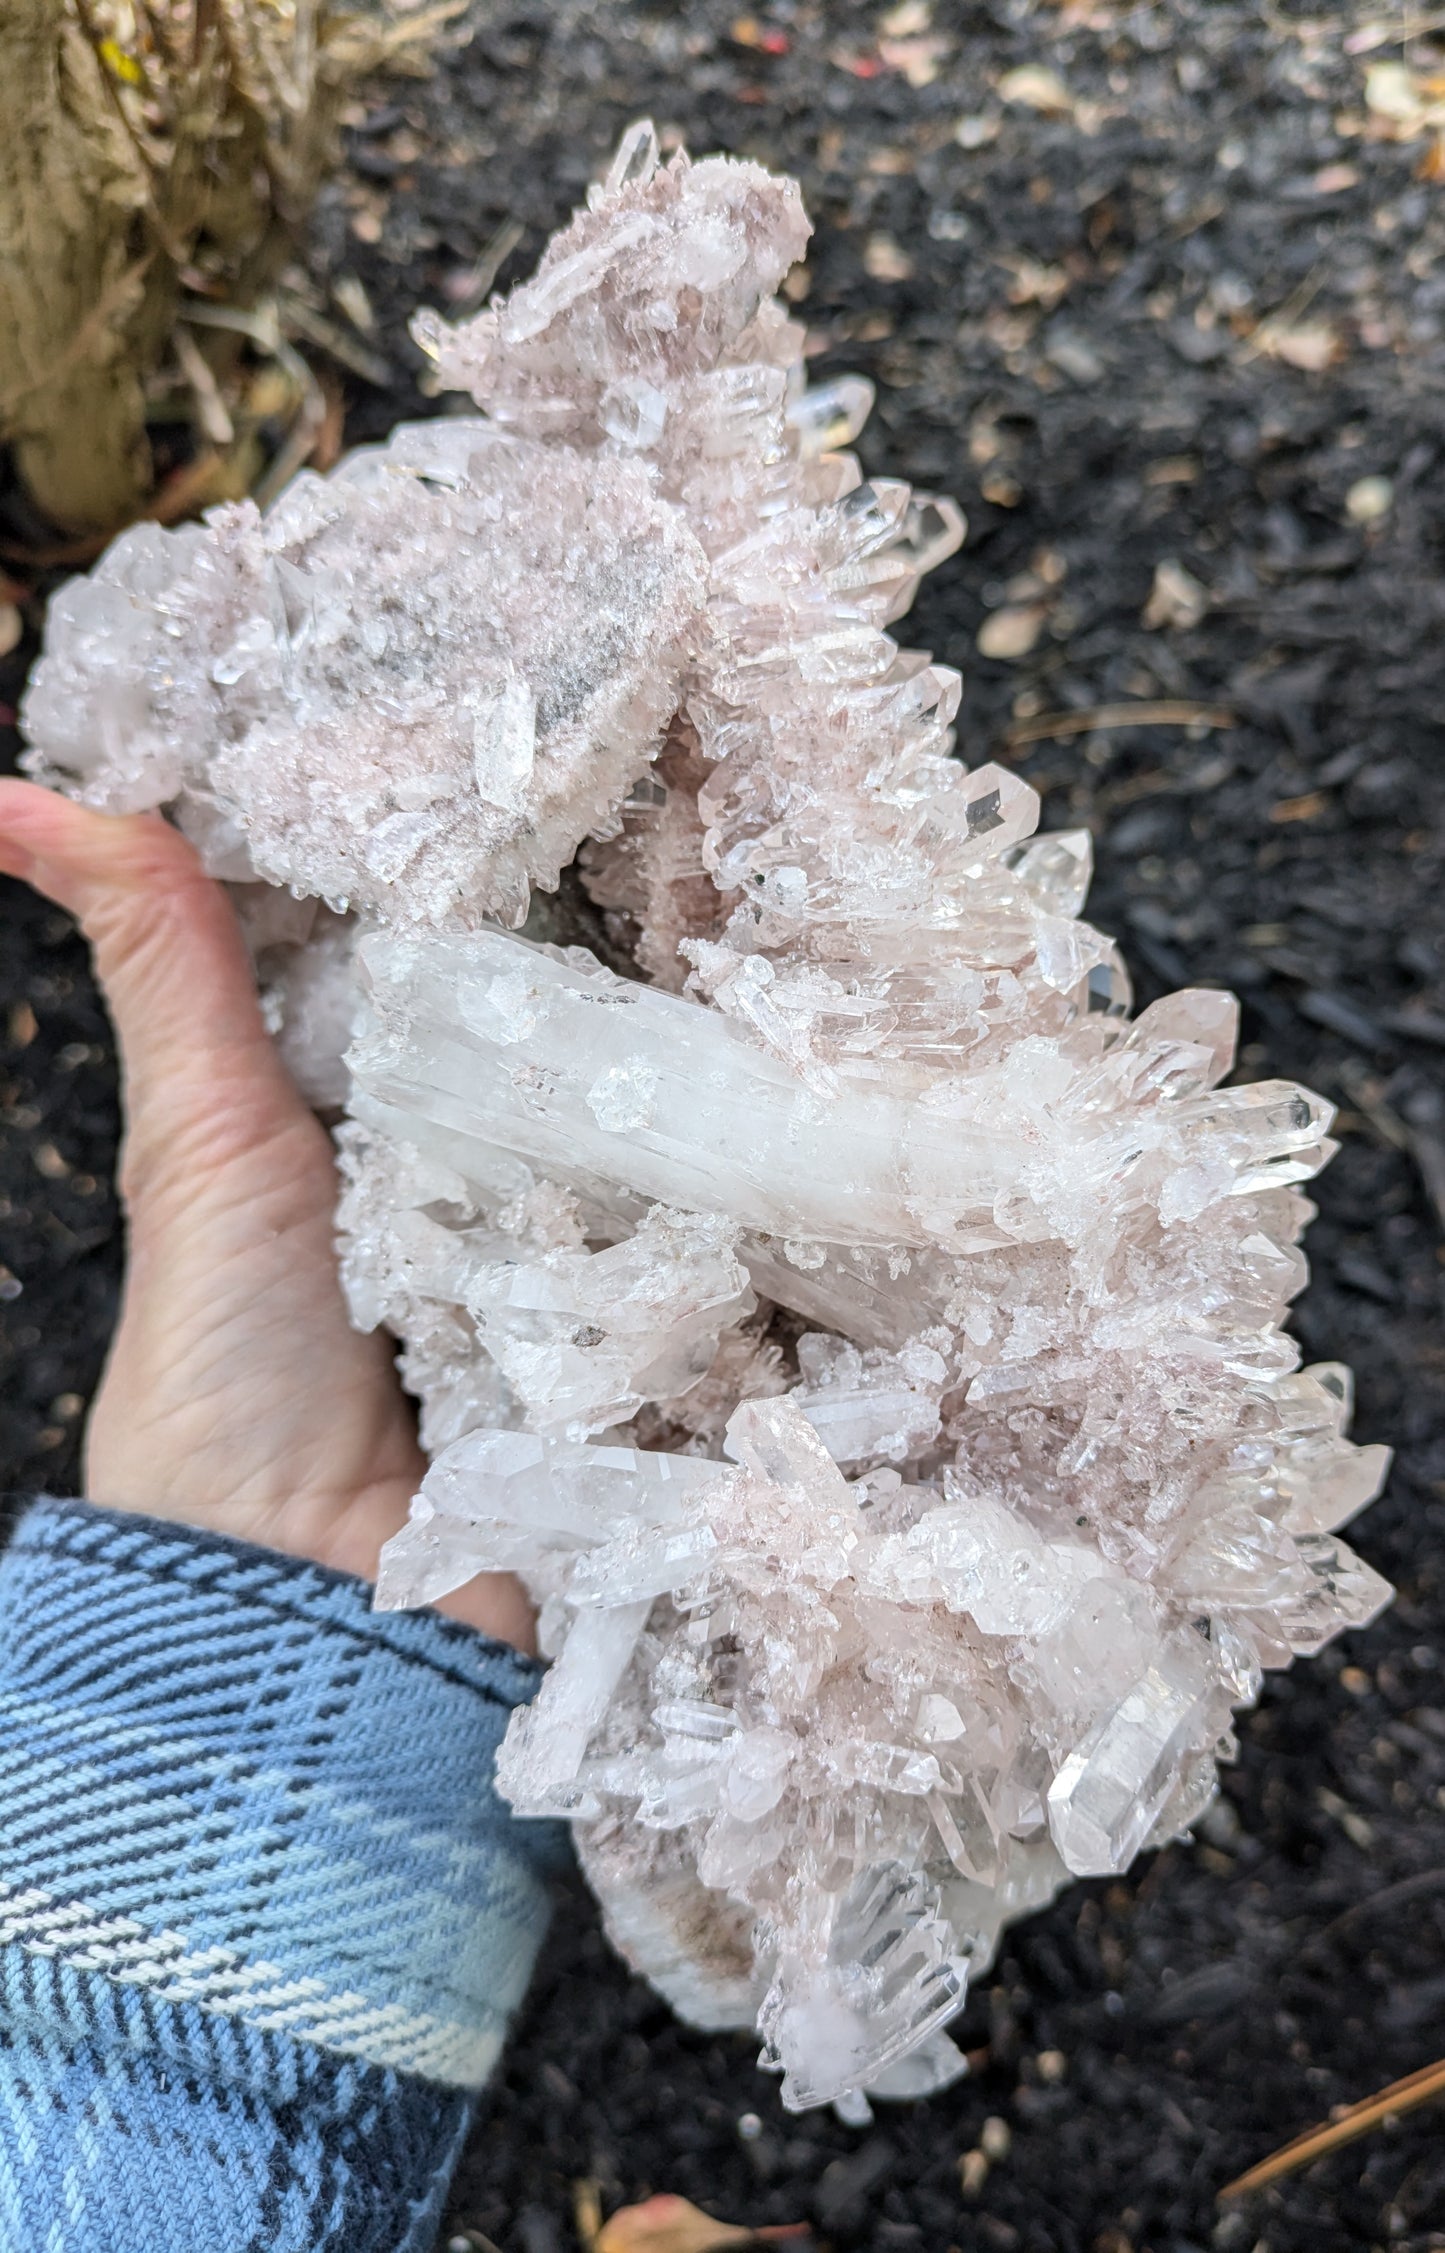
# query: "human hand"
(236, 1395)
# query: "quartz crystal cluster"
(863, 1338)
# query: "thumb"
(203, 1084)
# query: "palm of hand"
(236, 1395)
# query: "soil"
(1178, 302)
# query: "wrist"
(345, 1533)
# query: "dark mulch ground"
(1077, 322)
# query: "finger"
(202, 1078)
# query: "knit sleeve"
(263, 1919)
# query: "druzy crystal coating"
(862, 1336)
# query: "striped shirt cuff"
(248, 1821)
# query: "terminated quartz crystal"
(864, 1339)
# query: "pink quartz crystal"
(864, 1338)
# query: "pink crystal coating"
(866, 1341)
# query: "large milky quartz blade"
(492, 1044)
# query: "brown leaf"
(674, 2225)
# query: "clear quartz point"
(831, 414)
(636, 160)
(1107, 1793)
(864, 1339)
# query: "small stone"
(996, 2138)
(1392, 91)
(1175, 599)
(1369, 500)
(973, 2171)
(1311, 346)
(1010, 633)
(1031, 86)
(977, 131)
(885, 260)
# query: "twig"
(1164, 713)
(1401, 2096)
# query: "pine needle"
(1163, 713)
(1401, 2096)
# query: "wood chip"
(1304, 808)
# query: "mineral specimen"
(862, 1337)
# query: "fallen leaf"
(1175, 599)
(1011, 633)
(1035, 88)
(674, 2225)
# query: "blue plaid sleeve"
(263, 1919)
